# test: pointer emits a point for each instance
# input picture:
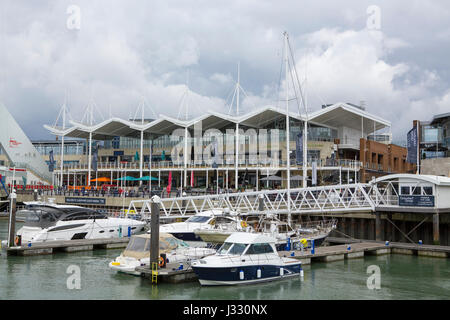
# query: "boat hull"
(213, 276)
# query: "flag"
(151, 155)
(412, 146)
(192, 178)
(169, 186)
(299, 148)
(94, 159)
(314, 173)
(51, 165)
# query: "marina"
(305, 185)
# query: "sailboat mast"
(288, 156)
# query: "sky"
(115, 55)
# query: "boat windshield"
(198, 219)
(40, 218)
(224, 248)
(136, 244)
(237, 249)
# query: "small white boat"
(137, 253)
(51, 222)
(245, 258)
(205, 220)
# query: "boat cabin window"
(198, 219)
(136, 244)
(77, 216)
(259, 248)
(223, 220)
(224, 248)
(40, 218)
(237, 249)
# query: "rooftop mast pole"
(288, 156)
(237, 130)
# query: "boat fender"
(281, 271)
(17, 240)
(258, 273)
(241, 274)
(161, 261)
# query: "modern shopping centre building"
(345, 143)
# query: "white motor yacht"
(50, 222)
(245, 258)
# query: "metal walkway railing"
(336, 198)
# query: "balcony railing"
(134, 165)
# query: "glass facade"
(70, 148)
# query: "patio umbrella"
(102, 179)
(127, 178)
(146, 178)
(272, 178)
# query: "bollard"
(288, 244)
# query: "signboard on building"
(75, 200)
(416, 201)
(412, 140)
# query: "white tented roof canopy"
(259, 118)
(346, 115)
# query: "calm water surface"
(45, 277)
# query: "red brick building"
(379, 159)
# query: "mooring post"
(436, 229)
(261, 202)
(154, 230)
(377, 226)
(12, 218)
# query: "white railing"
(352, 197)
(345, 163)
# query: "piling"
(12, 218)
(377, 226)
(436, 229)
(261, 202)
(154, 230)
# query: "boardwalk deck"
(401, 247)
(50, 247)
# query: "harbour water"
(45, 277)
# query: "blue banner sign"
(412, 146)
(83, 200)
(299, 148)
(416, 201)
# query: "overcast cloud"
(126, 51)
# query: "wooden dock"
(338, 252)
(170, 273)
(50, 247)
(402, 248)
